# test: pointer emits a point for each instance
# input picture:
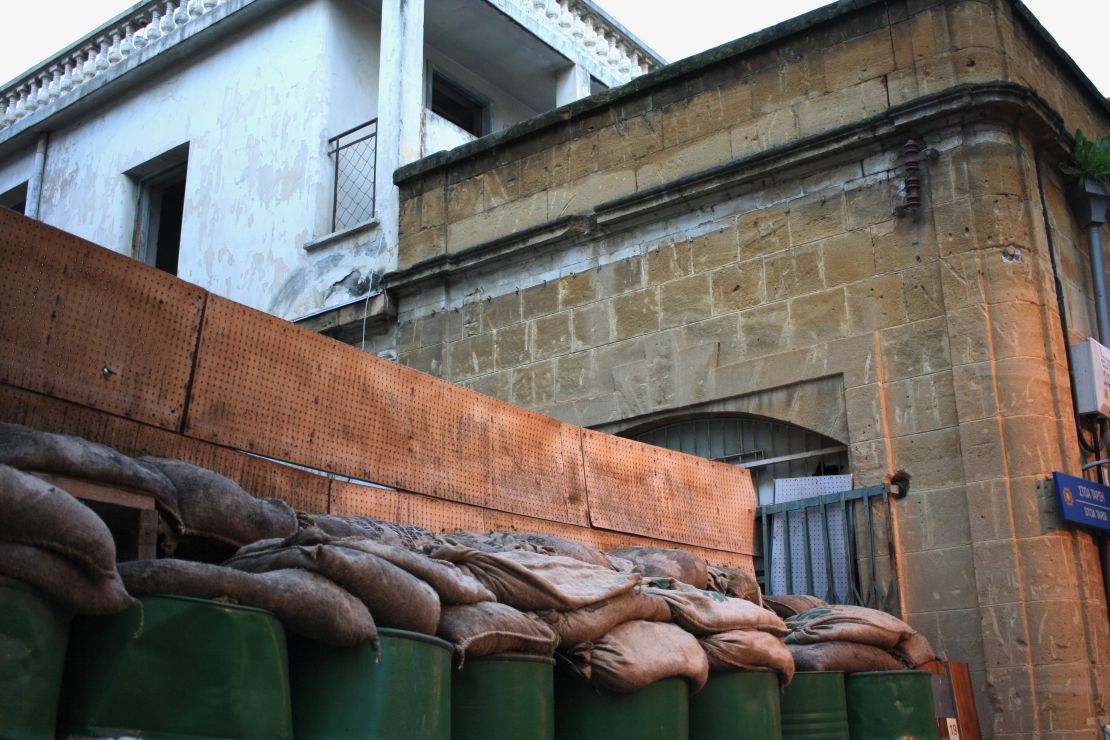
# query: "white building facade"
(249, 145)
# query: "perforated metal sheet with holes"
(647, 490)
(85, 324)
(796, 489)
(264, 385)
(263, 478)
(349, 499)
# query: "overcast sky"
(673, 29)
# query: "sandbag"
(665, 562)
(790, 604)
(217, 508)
(490, 628)
(33, 512)
(550, 544)
(850, 657)
(637, 654)
(394, 597)
(307, 604)
(64, 454)
(844, 623)
(594, 620)
(745, 649)
(353, 526)
(453, 585)
(63, 582)
(735, 582)
(707, 612)
(531, 582)
(915, 650)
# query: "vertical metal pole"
(34, 186)
(1098, 278)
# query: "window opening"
(161, 209)
(15, 199)
(466, 109)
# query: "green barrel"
(504, 697)
(184, 667)
(885, 704)
(814, 707)
(737, 699)
(33, 633)
(657, 712)
(350, 693)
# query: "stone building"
(853, 223)
(249, 145)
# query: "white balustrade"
(152, 26)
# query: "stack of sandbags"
(569, 599)
(733, 632)
(854, 639)
(53, 542)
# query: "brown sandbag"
(735, 582)
(217, 508)
(64, 454)
(590, 622)
(307, 604)
(33, 512)
(787, 605)
(354, 526)
(915, 650)
(637, 654)
(63, 582)
(746, 649)
(707, 612)
(850, 657)
(394, 597)
(490, 628)
(550, 544)
(453, 585)
(665, 562)
(845, 623)
(531, 582)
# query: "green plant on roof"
(1089, 160)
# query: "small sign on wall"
(1082, 501)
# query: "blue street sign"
(1083, 502)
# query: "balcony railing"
(356, 156)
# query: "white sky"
(673, 29)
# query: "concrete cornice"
(1000, 101)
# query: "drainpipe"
(34, 185)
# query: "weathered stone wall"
(730, 237)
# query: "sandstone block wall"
(739, 246)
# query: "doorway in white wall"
(161, 208)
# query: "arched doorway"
(769, 449)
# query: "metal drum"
(814, 707)
(504, 697)
(886, 704)
(182, 667)
(737, 699)
(657, 712)
(33, 633)
(350, 693)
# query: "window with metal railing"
(355, 154)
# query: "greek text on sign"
(1082, 501)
